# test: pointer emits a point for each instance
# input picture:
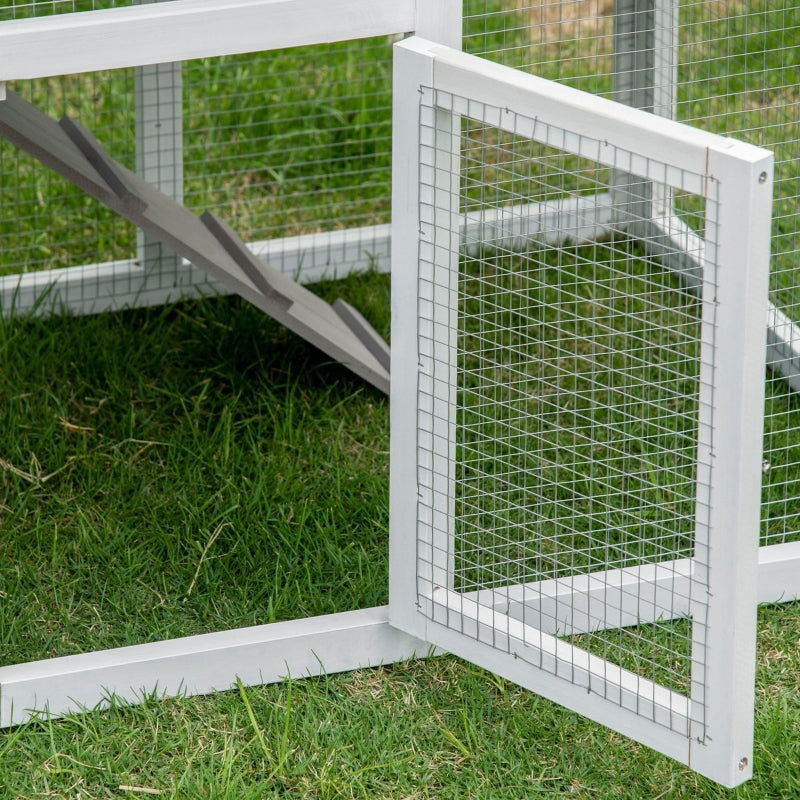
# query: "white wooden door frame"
(423, 421)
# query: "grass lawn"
(129, 441)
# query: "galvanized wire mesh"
(281, 143)
(573, 503)
(730, 67)
(294, 141)
(45, 222)
(298, 141)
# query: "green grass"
(193, 468)
(129, 441)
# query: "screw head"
(762, 178)
(743, 762)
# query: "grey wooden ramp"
(207, 242)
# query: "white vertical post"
(645, 76)
(442, 234)
(411, 71)
(440, 21)
(665, 57)
(727, 542)
(159, 151)
(424, 336)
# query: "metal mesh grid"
(324, 164)
(281, 143)
(45, 222)
(730, 67)
(577, 494)
(566, 40)
(293, 141)
(738, 67)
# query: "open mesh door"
(576, 428)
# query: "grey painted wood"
(368, 336)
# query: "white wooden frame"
(422, 601)
(180, 30)
(147, 34)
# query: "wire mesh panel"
(571, 402)
(727, 67)
(291, 145)
(309, 162)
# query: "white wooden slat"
(739, 342)
(64, 44)
(593, 705)
(779, 572)
(559, 657)
(159, 150)
(409, 73)
(643, 594)
(585, 115)
(209, 662)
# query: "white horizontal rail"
(619, 598)
(559, 657)
(682, 252)
(639, 701)
(156, 33)
(113, 285)
(599, 600)
(598, 128)
(92, 288)
(201, 664)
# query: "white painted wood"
(308, 258)
(585, 115)
(439, 236)
(682, 251)
(719, 590)
(205, 663)
(405, 488)
(665, 57)
(783, 346)
(64, 44)
(558, 657)
(598, 600)
(94, 288)
(738, 293)
(200, 664)
(779, 572)
(518, 666)
(514, 227)
(439, 21)
(618, 598)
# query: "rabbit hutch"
(589, 210)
